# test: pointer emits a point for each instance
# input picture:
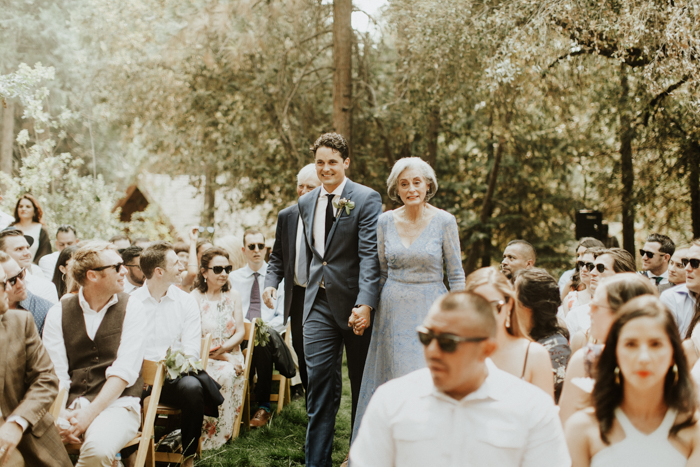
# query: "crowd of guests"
(507, 366)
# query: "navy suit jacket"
(283, 256)
(350, 265)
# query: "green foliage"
(262, 333)
(177, 363)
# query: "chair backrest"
(59, 403)
(153, 374)
(250, 337)
(204, 352)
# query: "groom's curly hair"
(333, 141)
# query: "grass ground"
(281, 442)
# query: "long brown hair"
(38, 212)
(608, 393)
(496, 279)
(210, 253)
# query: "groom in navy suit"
(340, 223)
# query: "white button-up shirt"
(679, 300)
(173, 322)
(126, 366)
(47, 263)
(320, 216)
(41, 287)
(241, 280)
(578, 319)
(506, 422)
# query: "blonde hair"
(496, 279)
(86, 258)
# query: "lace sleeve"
(452, 253)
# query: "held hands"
(80, 420)
(10, 436)
(269, 294)
(359, 319)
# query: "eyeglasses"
(261, 246)
(20, 276)
(208, 229)
(446, 342)
(117, 267)
(132, 266)
(600, 267)
(589, 266)
(649, 254)
(694, 262)
(220, 269)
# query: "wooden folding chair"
(243, 417)
(153, 374)
(165, 411)
(284, 395)
(59, 403)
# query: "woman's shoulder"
(581, 421)
(444, 216)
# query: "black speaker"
(590, 224)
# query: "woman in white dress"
(222, 316)
(29, 219)
(644, 410)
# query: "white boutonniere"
(344, 203)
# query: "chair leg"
(150, 454)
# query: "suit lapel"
(309, 201)
(347, 191)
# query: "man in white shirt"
(96, 342)
(16, 244)
(681, 299)
(461, 410)
(249, 282)
(135, 277)
(173, 321)
(65, 236)
(656, 254)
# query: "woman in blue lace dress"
(415, 243)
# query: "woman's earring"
(675, 374)
(508, 319)
(205, 280)
(617, 375)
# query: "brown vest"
(88, 359)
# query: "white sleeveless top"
(639, 449)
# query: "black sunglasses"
(694, 263)
(649, 254)
(589, 266)
(261, 246)
(446, 342)
(220, 269)
(600, 267)
(20, 276)
(117, 267)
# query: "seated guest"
(65, 236)
(461, 410)
(60, 274)
(16, 244)
(518, 255)
(29, 219)
(29, 387)
(249, 282)
(681, 299)
(656, 254)
(132, 263)
(645, 404)
(222, 317)
(173, 321)
(96, 341)
(19, 297)
(537, 302)
(120, 241)
(577, 297)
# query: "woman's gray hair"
(306, 172)
(411, 163)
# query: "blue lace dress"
(411, 280)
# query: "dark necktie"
(658, 279)
(329, 217)
(254, 308)
(303, 261)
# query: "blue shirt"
(38, 307)
(682, 305)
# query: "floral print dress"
(217, 319)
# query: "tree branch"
(654, 103)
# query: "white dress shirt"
(320, 216)
(241, 280)
(47, 263)
(129, 287)
(681, 302)
(173, 322)
(5, 220)
(41, 287)
(506, 423)
(578, 319)
(652, 277)
(130, 354)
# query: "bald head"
(518, 255)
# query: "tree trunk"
(626, 166)
(693, 153)
(480, 246)
(209, 197)
(8, 138)
(342, 63)
(433, 133)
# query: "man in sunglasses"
(249, 282)
(96, 340)
(132, 262)
(18, 295)
(656, 254)
(461, 409)
(681, 298)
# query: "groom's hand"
(359, 319)
(269, 294)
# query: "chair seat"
(163, 409)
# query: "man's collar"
(85, 305)
(248, 271)
(491, 388)
(146, 292)
(338, 190)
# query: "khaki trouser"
(108, 434)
